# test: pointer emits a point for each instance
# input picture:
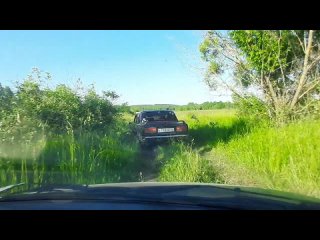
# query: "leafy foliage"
(251, 109)
(284, 65)
(60, 109)
(62, 135)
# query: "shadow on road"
(208, 136)
(147, 164)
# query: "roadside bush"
(252, 110)
(62, 135)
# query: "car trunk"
(168, 127)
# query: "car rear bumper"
(168, 136)
(165, 138)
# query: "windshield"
(236, 107)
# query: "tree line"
(189, 106)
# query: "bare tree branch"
(304, 72)
(315, 61)
(314, 85)
(300, 42)
(271, 89)
(280, 64)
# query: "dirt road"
(148, 168)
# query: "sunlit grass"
(87, 159)
(180, 163)
(185, 162)
(217, 114)
(285, 158)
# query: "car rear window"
(159, 116)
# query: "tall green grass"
(185, 162)
(235, 152)
(85, 158)
(208, 127)
(286, 158)
(180, 163)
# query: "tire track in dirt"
(149, 171)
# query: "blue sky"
(143, 67)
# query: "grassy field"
(222, 149)
(285, 158)
(227, 150)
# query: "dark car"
(158, 126)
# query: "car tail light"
(150, 130)
(181, 128)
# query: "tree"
(6, 100)
(281, 67)
(98, 111)
(60, 109)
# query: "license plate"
(162, 130)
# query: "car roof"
(156, 111)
